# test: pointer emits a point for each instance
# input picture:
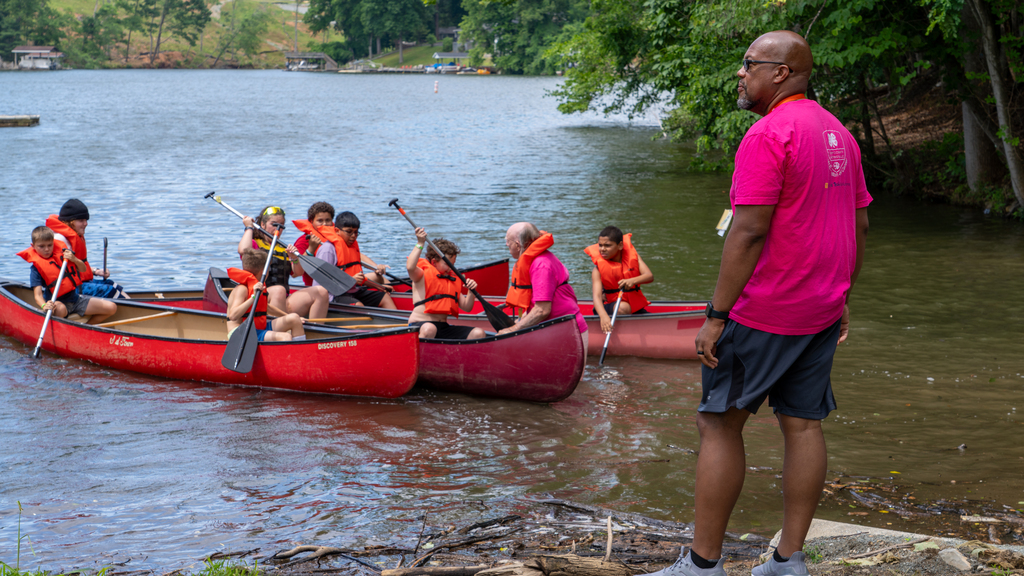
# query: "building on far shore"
(309, 61)
(38, 57)
(451, 57)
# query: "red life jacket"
(49, 268)
(349, 258)
(442, 290)
(247, 279)
(520, 293)
(75, 242)
(612, 272)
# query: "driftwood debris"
(436, 571)
(318, 553)
(559, 565)
(870, 553)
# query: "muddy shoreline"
(532, 536)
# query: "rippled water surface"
(111, 465)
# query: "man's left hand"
(707, 340)
(844, 324)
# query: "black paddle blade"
(327, 275)
(241, 349)
(498, 319)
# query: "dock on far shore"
(18, 120)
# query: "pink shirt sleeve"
(758, 178)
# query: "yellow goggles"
(273, 211)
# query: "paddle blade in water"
(241, 349)
(327, 275)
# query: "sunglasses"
(273, 211)
(747, 62)
(350, 231)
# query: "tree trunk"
(296, 25)
(996, 62)
(369, 49)
(401, 58)
(865, 120)
(378, 44)
(983, 163)
(156, 50)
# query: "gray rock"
(954, 558)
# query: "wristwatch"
(710, 312)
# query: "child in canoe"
(284, 328)
(437, 293)
(46, 263)
(309, 302)
(617, 269)
(319, 214)
(339, 245)
(69, 229)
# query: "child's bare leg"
(309, 302)
(428, 330)
(624, 308)
(275, 336)
(276, 296)
(291, 323)
(388, 303)
(99, 310)
(476, 333)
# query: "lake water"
(110, 465)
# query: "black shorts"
(446, 331)
(362, 294)
(610, 306)
(793, 372)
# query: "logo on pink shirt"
(836, 152)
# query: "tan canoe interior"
(178, 323)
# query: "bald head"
(519, 237)
(789, 47)
(780, 64)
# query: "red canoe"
(483, 367)
(666, 331)
(186, 344)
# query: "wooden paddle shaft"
(134, 320)
(375, 326)
(348, 319)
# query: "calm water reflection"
(110, 465)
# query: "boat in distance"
(482, 367)
(185, 344)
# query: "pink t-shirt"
(550, 283)
(801, 159)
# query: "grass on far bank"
(415, 56)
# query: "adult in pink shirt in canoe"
(780, 306)
(540, 282)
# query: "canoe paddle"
(394, 278)
(498, 319)
(608, 337)
(49, 313)
(241, 349)
(330, 277)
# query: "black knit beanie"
(73, 209)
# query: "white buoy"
(435, 86)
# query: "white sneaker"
(685, 567)
(795, 566)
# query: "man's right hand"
(844, 324)
(707, 340)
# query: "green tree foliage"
(94, 37)
(518, 33)
(139, 16)
(244, 27)
(24, 21)
(683, 55)
(362, 21)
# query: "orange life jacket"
(520, 293)
(442, 290)
(247, 279)
(75, 242)
(49, 268)
(349, 258)
(612, 272)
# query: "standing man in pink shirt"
(540, 282)
(780, 306)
